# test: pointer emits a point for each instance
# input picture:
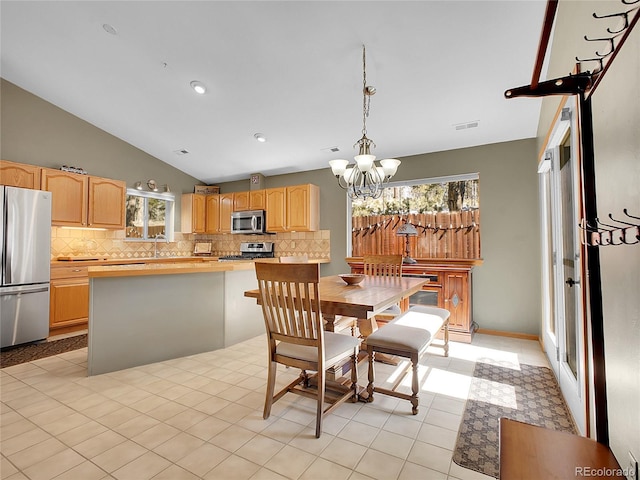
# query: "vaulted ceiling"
(291, 70)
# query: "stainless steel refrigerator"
(25, 246)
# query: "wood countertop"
(174, 268)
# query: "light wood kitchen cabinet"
(84, 201)
(295, 208)
(276, 205)
(192, 213)
(241, 201)
(251, 200)
(19, 175)
(226, 208)
(106, 203)
(212, 214)
(257, 200)
(69, 299)
(303, 208)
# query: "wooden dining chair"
(384, 266)
(296, 337)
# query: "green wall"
(506, 288)
(36, 132)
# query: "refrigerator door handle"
(8, 277)
(23, 289)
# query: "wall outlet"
(632, 474)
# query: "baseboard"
(500, 333)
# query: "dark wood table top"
(364, 300)
(532, 452)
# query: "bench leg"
(370, 385)
(446, 338)
(414, 384)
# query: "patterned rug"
(26, 353)
(526, 393)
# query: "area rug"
(526, 393)
(27, 353)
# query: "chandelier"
(364, 179)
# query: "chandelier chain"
(366, 99)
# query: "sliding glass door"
(564, 326)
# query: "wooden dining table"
(363, 301)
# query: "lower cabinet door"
(69, 304)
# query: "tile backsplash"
(112, 244)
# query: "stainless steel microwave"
(249, 222)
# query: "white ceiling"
(291, 70)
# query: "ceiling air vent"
(182, 151)
(331, 149)
(465, 126)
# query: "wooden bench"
(409, 336)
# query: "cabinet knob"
(76, 270)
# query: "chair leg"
(371, 374)
(354, 375)
(271, 384)
(320, 406)
(414, 384)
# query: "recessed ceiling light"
(110, 29)
(260, 137)
(198, 87)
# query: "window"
(149, 214)
(444, 210)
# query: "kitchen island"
(146, 313)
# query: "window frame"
(408, 183)
(169, 213)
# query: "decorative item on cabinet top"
(66, 168)
(206, 189)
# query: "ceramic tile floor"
(200, 417)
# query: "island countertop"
(136, 270)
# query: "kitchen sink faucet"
(155, 244)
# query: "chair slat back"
(288, 293)
(383, 265)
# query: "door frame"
(574, 389)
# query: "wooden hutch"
(449, 287)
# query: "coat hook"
(626, 212)
(609, 39)
(599, 60)
(624, 15)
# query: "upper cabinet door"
(212, 209)
(303, 210)
(69, 197)
(276, 208)
(19, 175)
(240, 201)
(106, 203)
(257, 200)
(226, 208)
